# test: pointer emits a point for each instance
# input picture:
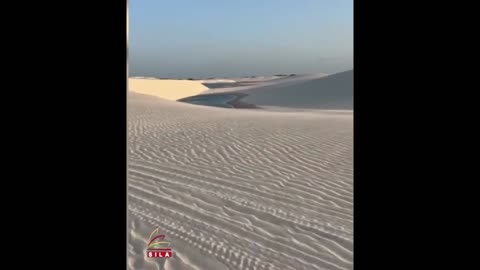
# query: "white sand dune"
(146, 78)
(242, 79)
(246, 80)
(258, 78)
(217, 81)
(319, 91)
(166, 89)
(263, 82)
(241, 189)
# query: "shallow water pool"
(217, 100)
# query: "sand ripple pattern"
(237, 189)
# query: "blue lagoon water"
(215, 100)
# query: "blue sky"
(210, 38)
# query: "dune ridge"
(308, 92)
(166, 89)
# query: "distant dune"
(166, 89)
(145, 78)
(217, 81)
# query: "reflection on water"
(220, 85)
(215, 100)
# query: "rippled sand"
(239, 188)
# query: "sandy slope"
(167, 89)
(239, 189)
(319, 91)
